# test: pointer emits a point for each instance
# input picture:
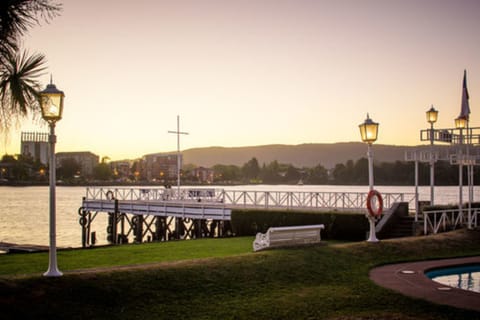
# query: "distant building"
(121, 169)
(35, 145)
(204, 175)
(87, 161)
(161, 166)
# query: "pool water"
(463, 277)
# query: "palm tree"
(19, 71)
(19, 87)
(17, 16)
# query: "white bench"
(287, 236)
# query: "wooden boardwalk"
(21, 248)
(153, 218)
(177, 209)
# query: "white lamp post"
(461, 123)
(51, 103)
(432, 116)
(369, 133)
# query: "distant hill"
(302, 155)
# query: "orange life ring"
(374, 211)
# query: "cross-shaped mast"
(178, 133)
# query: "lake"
(24, 212)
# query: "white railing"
(148, 194)
(308, 200)
(449, 219)
(251, 199)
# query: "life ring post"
(374, 203)
(375, 209)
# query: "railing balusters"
(253, 199)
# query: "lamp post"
(51, 103)
(369, 133)
(460, 123)
(432, 116)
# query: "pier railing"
(435, 221)
(251, 199)
(306, 200)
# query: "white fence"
(450, 219)
(251, 199)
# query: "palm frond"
(17, 16)
(18, 72)
(19, 85)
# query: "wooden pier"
(145, 216)
(21, 248)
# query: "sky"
(253, 72)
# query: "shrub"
(338, 225)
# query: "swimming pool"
(466, 277)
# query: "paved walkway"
(410, 279)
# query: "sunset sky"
(254, 72)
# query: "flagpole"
(464, 117)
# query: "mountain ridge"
(300, 155)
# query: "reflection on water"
(465, 278)
(24, 211)
(24, 217)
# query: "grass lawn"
(125, 255)
(224, 279)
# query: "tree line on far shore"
(24, 169)
(348, 173)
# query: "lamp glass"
(432, 115)
(369, 131)
(51, 103)
(461, 123)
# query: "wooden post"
(139, 228)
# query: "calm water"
(463, 277)
(24, 211)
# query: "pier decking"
(172, 208)
(21, 248)
(153, 215)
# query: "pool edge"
(410, 279)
